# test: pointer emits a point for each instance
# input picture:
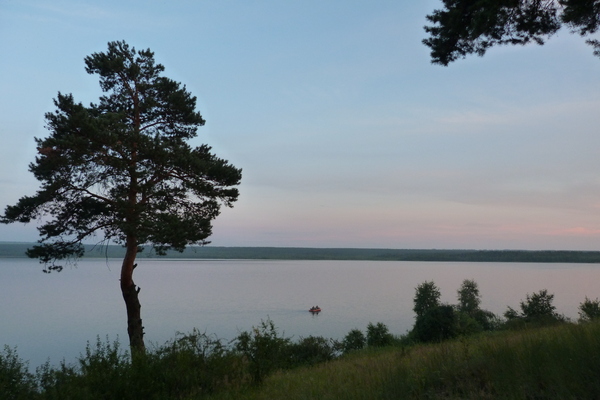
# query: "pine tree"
(122, 170)
(473, 26)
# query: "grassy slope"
(549, 363)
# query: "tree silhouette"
(427, 297)
(465, 27)
(121, 169)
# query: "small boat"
(315, 309)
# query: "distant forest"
(9, 249)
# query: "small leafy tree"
(264, 349)
(427, 296)
(589, 310)
(472, 317)
(436, 324)
(354, 340)
(469, 297)
(538, 305)
(378, 335)
(122, 169)
(537, 308)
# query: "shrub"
(511, 313)
(536, 310)
(378, 335)
(263, 349)
(466, 324)
(65, 382)
(102, 363)
(311, 350)
(16, 382)
(538, 305)
(354, 340)
(106, 362)
(195, 361)
(487, 319)
(437, 324)
(589, 310)
(190, 365)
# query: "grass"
(357, 376)
(557, 362)
(560, 362)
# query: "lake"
(53, 316)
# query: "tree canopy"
(427, 297)
(468, 296)
(465, 27)
(122, 170)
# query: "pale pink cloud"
(576, 231)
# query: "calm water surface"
(53, 316)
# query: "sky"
(346, 133)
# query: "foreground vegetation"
(453, 351)
(556, 362)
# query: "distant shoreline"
(17, 250)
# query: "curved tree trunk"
(130, 292)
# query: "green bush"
(195, 362)
(538, 305)
(16, 382)
(589, 310)
(466, 324)
(536, 310)
(437, 324)
(192, 364)
(487, 319)
(378, 335)
(427, 296)
(354, 340)
(105, 362)
(63, 382)
(312, 350)
(263, 348)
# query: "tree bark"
(135, 330)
